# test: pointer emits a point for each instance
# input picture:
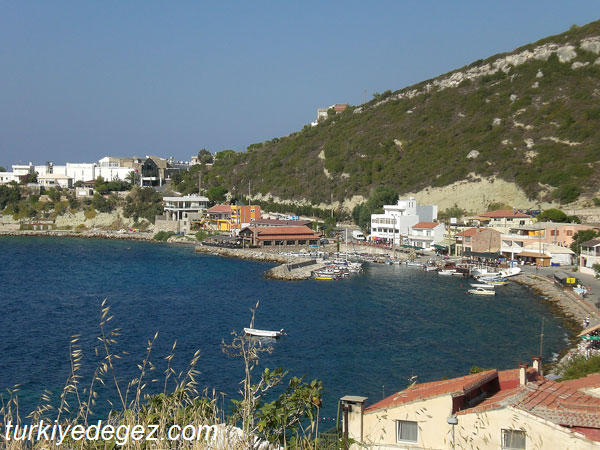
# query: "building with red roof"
(279, 236)
(478, 240)
(505, 219)
(516, 409)
(426, 234)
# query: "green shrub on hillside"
(163, 235)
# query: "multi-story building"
(395, 222)
(230, 217)
(426, 234)
(478, 240)
(590, 255)
(504, 219)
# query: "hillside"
(530, 117)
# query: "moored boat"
(263, 333)
(481, 291)
(447, 272)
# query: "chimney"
(523, 374)
(537, 364)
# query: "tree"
(216, 194)
(205, 157)
(100, 185)
(133, 178)
(102, 204)
(552, 215)
(54, 195)
(580, 237)
(9, 195)
(382, 195)
(143, 202)
(2, 169)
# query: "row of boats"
(486, 280)
(337, 269)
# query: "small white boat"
(510, 272)
(263, 333)
(481, 291)
(414, 264)
(430, 268)
(447, 272)
(483, 285)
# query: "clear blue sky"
(80, 80)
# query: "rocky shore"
(84, 234)
(241, 253)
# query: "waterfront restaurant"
(279, 236)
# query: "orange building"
(230, 217)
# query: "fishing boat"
(510, 272)
(481, 291)
(263, 333)
(414, 264)
(447, 272)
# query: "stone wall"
(166, 225)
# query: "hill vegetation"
(531, 117)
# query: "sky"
(80, 80)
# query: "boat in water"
(447, 272)
(510, 272)
(263, 333)
(481, 291)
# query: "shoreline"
(563, 303)
(141, 236)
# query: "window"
(406, 430)
(569, 232)
(513, 439)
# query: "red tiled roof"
(280, 222)
(504, 213)
(426, 225)
(469, 232)
(556, 402)
(219, 209)
(592, 380)
(268, 233)
(455, 386)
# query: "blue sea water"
(362, 336)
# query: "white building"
(176, 208)
(426, 234)
(20, 170)
(81, 171)
(590, 255)
(55, 180)
(395, 222)
(7, 177)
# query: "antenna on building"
(542, 337)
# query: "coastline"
(82, 234)
(563, 303)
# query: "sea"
(366, 335)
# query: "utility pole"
(249, 191)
